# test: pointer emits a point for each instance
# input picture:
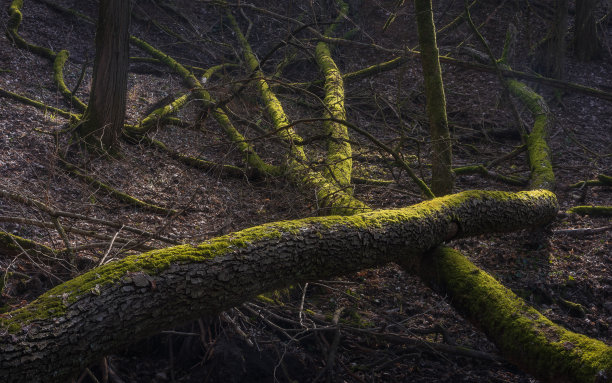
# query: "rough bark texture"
(74, 324)
(441, 171)
(521, 333)
(105, 114)
(586, 43)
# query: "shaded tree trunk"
(552, 56)
(105, 114)
(586, 44)
(76, 323)
(442, 175)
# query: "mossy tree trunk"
(442, 174)
(586, 44)
(73, 325)
(339, 152)
(105, 114)
(523, 335)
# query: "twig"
(121, 196)
(301, 312)
(273, 325)
(427, 346)
(109, 248)
(225, 316)
(69, 229)
(62, 233)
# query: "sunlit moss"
(54, 302)
(523, 334)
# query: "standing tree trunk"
(552, 56)
(105, 114)
(586, 43)
(442, 174)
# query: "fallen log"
(523, 335)
(73, 325)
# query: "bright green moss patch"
(249, 154)
(597, 211)
(339, 162)
(158, 114)
(522, 334)
(542, 175)
(58, 77)
(39, 105)
(15, 18)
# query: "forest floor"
(387, 315)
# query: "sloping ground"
(384, 312)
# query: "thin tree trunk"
(552, 62)
(105, 114)
(442, 174)
(586, 44)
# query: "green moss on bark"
(151, 121)
(335, 199)
(121, 196)
(542, 175)
(55, 302)
(13, 244)
(58, 77)
(15, 18)
(598, 211)
(442, 176)
(522, 334)
(339, 162)
(39, 105)
(248, 152)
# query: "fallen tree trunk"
(76, 323)
(521, 333)
(339, 159)
(331, 195)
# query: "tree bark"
(105, 114)
(552, 57)
(442, 174)
(586, 44)
(76, 323)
